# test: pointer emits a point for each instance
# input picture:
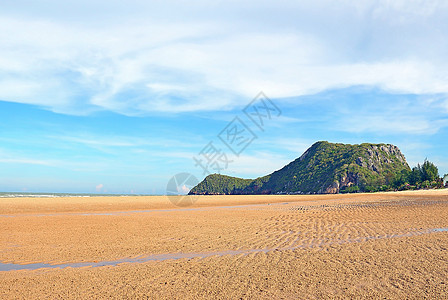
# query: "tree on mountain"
(401, 178)
(415, 176)
(429, 171)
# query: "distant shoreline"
(6, 195)
(64, 195)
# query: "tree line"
(420, 177)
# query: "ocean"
(56, 195)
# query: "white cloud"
(183, 190)
(145, 56)
(99, 187)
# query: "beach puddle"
(440, 229)
(127, 212)
(281, 206)
(155, 257)
(192, 255)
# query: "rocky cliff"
(325, 168)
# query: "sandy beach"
(388, 245)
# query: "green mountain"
(325, 168)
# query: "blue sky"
(117, 97)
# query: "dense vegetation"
(216, 184)
(420, 177)
(332, 168)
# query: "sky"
(120, 96)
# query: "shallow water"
(115, 213)
(282, 205)
(168, 256)
(440, 229)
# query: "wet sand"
(388, 245)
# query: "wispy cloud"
(391, 124)
(294, 145)
(257, 164)
(361, 110)
(26, 161)
(99, 142)
(117, 141)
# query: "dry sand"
(385, 245)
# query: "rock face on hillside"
(325, 168)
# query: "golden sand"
(385, 245)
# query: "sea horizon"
(60, 195)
